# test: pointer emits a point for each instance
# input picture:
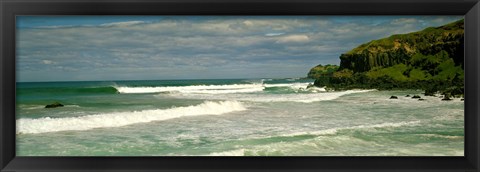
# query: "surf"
(299, 98)
(210, 89)
(119, 119)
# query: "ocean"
(231, 117)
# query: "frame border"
(9, 9)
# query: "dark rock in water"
(421, 99)
(446, 98)
(408, 95)
(429, 92)
(462, 99)
(393, 97)
(416, 97)
(54, 105)
(440, 96)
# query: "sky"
(105, 48)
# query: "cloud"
(47, 62)
(274, 34)
(122, 24)
(293, 38)
(404, 21)
(248, 23)
(113, 24)
(55, 26)
(179, 47)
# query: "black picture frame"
(11, 8)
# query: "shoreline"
(420, 92)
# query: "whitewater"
(232, 117)
(119, 119)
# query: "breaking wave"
(118, 119)
(301, 98)
(213, 89)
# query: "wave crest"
(118, 119)
(213, 89)
(209, 89)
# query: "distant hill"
(430, 59)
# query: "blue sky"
(84, 48)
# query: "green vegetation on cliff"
(319, 71)
(401, 48)
(322, 74)
(431, 59)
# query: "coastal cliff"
(400, 48)
(430, 59)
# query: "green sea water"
(235, 117)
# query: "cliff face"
(431, 59)
(398, 49)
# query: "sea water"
(231, 117)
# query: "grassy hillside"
(431, 59)
(401, 48)
(320, 70)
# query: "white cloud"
(293, 38)
(274, 34)
(248, 23)
(175, 43)
(122, 24)
(47, 62)
(404, 21)
(55, 26)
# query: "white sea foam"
(211, 89)
(31, 107)
(441, 136)
(280, 147)
(335, 130)
(296, 86)
(237, 152)
(301, 98)
(118, 119)
(316, 89)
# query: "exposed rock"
(428, 93)
(416, 60)
(416, 97)
(421, 99)
(54, 105)
(408, 95)
(393, 97)
(446, 98)
(462, 99)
